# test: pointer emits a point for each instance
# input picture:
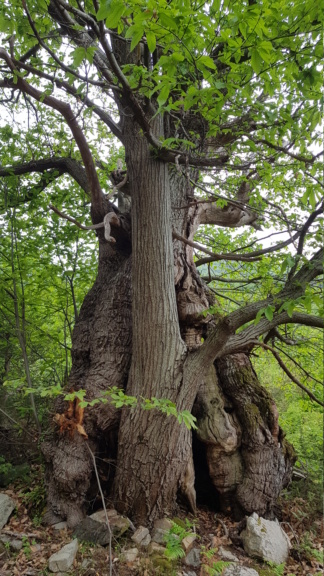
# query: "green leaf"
(137, 37)
(207, 61)
(256, 60)
(78, 55)
(290, 308)
(115, 15)
(163, 96)
(151, 41)
(259, 315)
(269, 312)
(104, 9)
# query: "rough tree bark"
(159, 298)
(141, 326)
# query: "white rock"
(140, 534)
(163, 524)
(159, 535)
(129, 555)
(146, 541)
(188, 542)
(60, 526)
(237, 570)
(100, 515)
(156, 549)
(7, 505)
(62, 560)
(226, 555)
(193, 558)
(265, 539)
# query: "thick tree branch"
(236, 214)
(241, 341)
(302, 237)
(61, 165)
(235, 342)
(231, 216)
(97, 196)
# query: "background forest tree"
(190, 134)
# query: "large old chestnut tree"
(189, 132)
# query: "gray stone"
(226, 555)
(146, 541)
(119, 525)
(159, 535)
(129, 555)
(60, 526)
(156, 549)
(193, 558)
(100, 515)
(237, 570)
(92, 531)
(164, 524)
(188, 542)
(64, 558)
(7, 506)
(265, 539)
(141, 534)
(14, 544)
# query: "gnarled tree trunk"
(139, 328)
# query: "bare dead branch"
(109, 219)
(235, 257)
(103, 505)
(286, 370)
(285, 150)
(221, 339)
(299, 366)
(78, 224)
(300, 234)
(17, 424)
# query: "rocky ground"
(204, 545)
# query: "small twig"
(223, 525)
(78, 224)
(103, 504)
(235, 257)
(293, 531)
(21, 535)
(17, 423)
(286, 370)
